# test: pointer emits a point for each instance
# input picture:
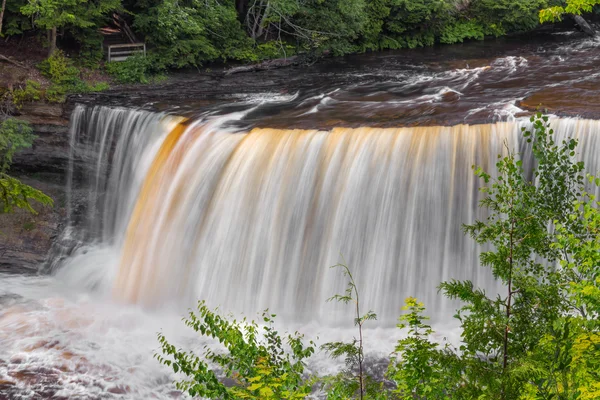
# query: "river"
(244, 190)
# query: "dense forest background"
(183, 33)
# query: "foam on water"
(62, 341)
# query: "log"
(583, 25)
(265, 65)
(13, 62)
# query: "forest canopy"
(181, 33)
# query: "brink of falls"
(189, 209)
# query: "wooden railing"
(120, 52)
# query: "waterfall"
(189, 209)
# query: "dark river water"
(443, 85)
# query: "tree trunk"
(51, 41)
(241, 7)
(2, 14)
(583, 25)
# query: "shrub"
(31, 92)
(254, 358)
(134, 69)
(421, 370)
(65, 78)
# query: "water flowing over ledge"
(188, 209)
(184, 209)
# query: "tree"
(191, 32)
(347, 384)
(573, 7)
(13, 22)
(52, 15)
(16, 135)
(2, 14)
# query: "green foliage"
(458, 32)
(133, 70)
(347, 384)
(14, 136)
(15, 23)
(31, 92)
(184, 33)
(578, 7)
(254, 358)
(191, 32)
(422, 371)
(65, 78)
(540, 338)
(59, 68)
(48, 14)
(507, 16)
(506, 329)
(15, 194)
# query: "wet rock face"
(26, 239)
(50, 150)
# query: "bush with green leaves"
(261, 363)
(419, 368)
(31, 92)
(65, 78)
(135, 69)
(14, 136)
(576, 7)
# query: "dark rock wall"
(26, 239)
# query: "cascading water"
(253, 220)
(164, 211)
(179, 210)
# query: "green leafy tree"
(14, 136)
(191, 32)
(505, 329)
(573, 345)
(419, 368)
(574, 7)
(13, 22)
(255, 359)
(52, 15)
(348, 383)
